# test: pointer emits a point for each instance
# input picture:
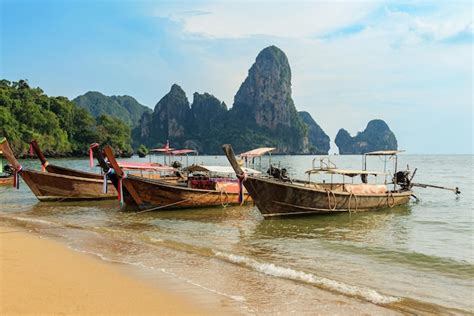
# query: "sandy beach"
(42, 276)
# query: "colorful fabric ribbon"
(16, 177)
(120, 188)
(43, 166)
(241, 178)
(91, 158)
(91, 154)
(106, 181)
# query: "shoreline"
(40, 275)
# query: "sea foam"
(339, 287)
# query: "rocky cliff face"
(170, 116)
(263, 115)
(265, 95)
(376, 136)
(264, 103)
(318, 141)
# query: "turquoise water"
(415, 258)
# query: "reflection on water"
(420, 253)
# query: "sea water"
(417, 258)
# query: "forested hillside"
(123, 107)
(60, 127)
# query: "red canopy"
(165, 149)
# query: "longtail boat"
(6, 173)
(277, 195)
(48, 186)
(46, 166)
(153, 194)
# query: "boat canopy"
(344, 172)
(384, 153)
(219, 169)
(144, 166)
(161, 150)
(257, 152)
(181, 152)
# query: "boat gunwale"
(289, 184)
(58, 175)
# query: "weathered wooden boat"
(49, 186)
(153, 194)
(277, 195)
(46, 166)
(6, 175)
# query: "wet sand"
(42, 276)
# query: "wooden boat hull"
(6, 180)
(276, 198)
(162, 195)
(82, 174)
(56, 187)
(73, 173)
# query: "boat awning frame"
(145, 166)
(384, 153)
(344, 172)
(219, 169)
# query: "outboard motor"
(402, 178)
(277, 173)
(8, 170)
(176, 164)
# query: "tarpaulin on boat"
(257, 152)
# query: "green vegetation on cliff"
(124, 107)
(376, 136)
(263, 114)
(60, 127)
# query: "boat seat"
(365, 188)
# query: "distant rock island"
(376, 136)
(124, 107)
(263, 114)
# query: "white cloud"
(270, 18)
(398, 66)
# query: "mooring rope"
(349, 204)
(226, 198)
(390, 194)
(329, 200)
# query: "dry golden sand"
(42, 276)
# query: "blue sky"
(407, 62)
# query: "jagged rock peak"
(176, 96)
(265, 95)
(207, 102)
(376, 136)
(171, 115)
